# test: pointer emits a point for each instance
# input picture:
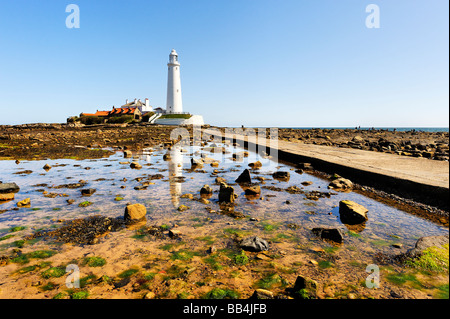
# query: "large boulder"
(135, 212)
(424, 243)
(7, 188)
(352, 213)
(226, 193)
(244, 177)
(254, 243)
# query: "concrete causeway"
(421, 179)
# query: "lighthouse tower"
(174, 104)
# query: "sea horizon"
(398, 129)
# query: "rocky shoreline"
(432, 145)
(33, 140)
(41, 141)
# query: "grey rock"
(424, 243)
(6, 188)
(254, 243)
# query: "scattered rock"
(307, 183)
(47, 167)
(88, 191)
(23, 172)
(127, 154)
(174, 233)
(134, 212)
(305, 288)
(182, 208)
(244, 177)
(196, 163)
(6, 197)
(220, 180)
(262, 256)
(282, 176)
(332, 234)
(255, 165)
(254, 243)
(341, 184)
(262, 294)
(150, 295)
(352, 213)
(226, 193)
(253, 190)
(206, 190)
(135, 165)
(24, 203)
(304, 166)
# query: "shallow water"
(386, 225)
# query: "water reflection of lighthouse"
(175, 174)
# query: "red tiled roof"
(115, 111)
(98, 113)
(122, 111)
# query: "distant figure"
(395, 130)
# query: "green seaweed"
(241, 258)
(433, 259)
(128, 273)
(16, 229)
(94, 261)
(218, 293)
(54, 272)
(268, 281)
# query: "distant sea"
(399, 129)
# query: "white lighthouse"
(174, 104)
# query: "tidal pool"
(283, 218)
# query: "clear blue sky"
(290, 63)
